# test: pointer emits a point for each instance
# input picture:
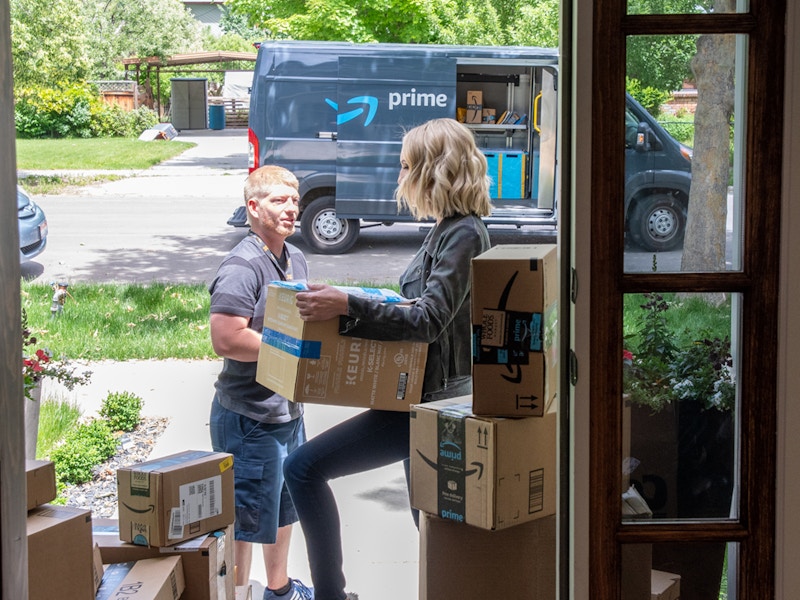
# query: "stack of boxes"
(60, 557)
(483, 467)
(173, 539)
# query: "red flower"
(627, 355)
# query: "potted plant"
(37, 364)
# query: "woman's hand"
(321, 302)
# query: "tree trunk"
(713, 67)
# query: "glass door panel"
(689, 571)
(697, 7)
(679, 407)
(684, 153)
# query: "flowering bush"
(38, 363)
(656, 371)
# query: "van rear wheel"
(657, 223)
(323, 231)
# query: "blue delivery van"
(334, 113)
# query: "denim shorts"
(263, 503)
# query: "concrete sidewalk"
(380, 541)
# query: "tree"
(119, 29)
(493, 22)
(713, 66)
(48, 42)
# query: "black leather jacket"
(438, 280)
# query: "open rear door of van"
(379, 98)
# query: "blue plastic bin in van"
(506, 168)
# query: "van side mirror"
(646, 139)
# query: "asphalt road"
(168, 223)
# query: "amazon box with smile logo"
(168, 500)
(488, 472)
(514, 327)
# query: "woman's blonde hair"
(447, 173)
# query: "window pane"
(680, 426)
(689, 571)
(683, 155)
(686, 7)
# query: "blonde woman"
(442, 177)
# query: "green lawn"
(95, 153)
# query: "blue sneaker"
(298, 592)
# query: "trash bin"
(216, 116)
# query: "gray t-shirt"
(240, 288)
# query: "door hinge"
(573, 367)
(573, 285)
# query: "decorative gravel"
(134, 447)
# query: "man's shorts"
(262, 500)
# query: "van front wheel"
(323, 231)
(657, 223)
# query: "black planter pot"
(686, 470)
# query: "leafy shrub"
(649, 97)
(84, 447)
(121, 410)
(680, 126)
(75, 110)
(63, 111)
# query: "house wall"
(787, 535)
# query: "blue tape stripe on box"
(291, 345)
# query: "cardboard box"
(311, 362)
(60, 553)
(168, 500)
(148, 579)
(515, 324)
(474, 106)
(665, 586)
(488, 472)
(41, 481)
(97, 567)
(488, 116)
(459, 562)
(207, 560)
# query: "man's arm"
(232, 338)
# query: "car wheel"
(323, 231)
(657, 223)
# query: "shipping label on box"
(174, 498)
(60, 553)
(40, 476)
(488, 472)
(514, 323)
(310, 361)
(148, 579)
(207, 560)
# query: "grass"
(56, 417)
(95, 153)
(122, 321)
(690, 318)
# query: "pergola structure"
(174, 63)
